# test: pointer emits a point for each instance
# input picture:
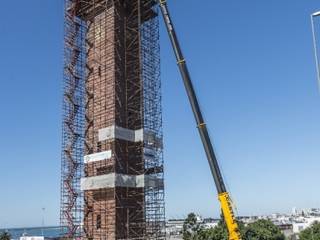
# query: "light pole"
(42, 227)
(314, 17)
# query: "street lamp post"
(42, 227)
(314, 17)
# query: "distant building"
(301, 223)
(294, 211)
(174, 227)
(289, 224)
(286, 229)
(209, 225)
(314, 212)
(31, 238)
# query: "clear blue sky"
(253, 66)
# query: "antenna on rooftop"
(314, 17)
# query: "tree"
(191, 227)
(219, 232)
(5, 236)
(259, 230)
(311, 233)
(262, 230)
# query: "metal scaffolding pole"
(314, 17)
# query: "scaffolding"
(112, 184)
(73, 121)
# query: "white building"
(301, 223)
(31, 238)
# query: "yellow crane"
(224, 197)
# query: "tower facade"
(112, 165)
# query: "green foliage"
(311, 233)
(191, 227)
(217, 233)
(262, 230)
(259, 230)
(5, 236)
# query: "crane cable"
(313, 16)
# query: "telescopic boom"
(224, 197)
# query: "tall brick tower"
(112, 167)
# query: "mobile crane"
(223, 195)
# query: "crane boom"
(224, 197)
